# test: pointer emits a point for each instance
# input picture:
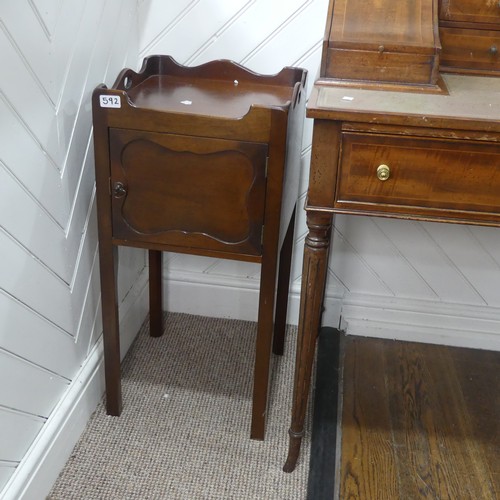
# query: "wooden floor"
(418, 422)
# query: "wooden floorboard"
(418, 422)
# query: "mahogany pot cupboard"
(201, 160)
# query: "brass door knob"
(383, 172)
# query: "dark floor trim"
(322, 466)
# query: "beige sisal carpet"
(184, 431)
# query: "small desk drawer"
(472, 11)
(470, 49)
(437, 178)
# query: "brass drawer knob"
(493, 50)
(383, 172)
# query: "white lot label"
(110, 101)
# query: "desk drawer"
(434, 177)
(191, 192)
(472, 11)
(387, 66)
(470, 49)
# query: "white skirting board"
(230, 297)
(414, 320)
(46, 457)
(425, 321)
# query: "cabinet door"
(473, 11)
(182, 191)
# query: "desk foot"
(293, 451)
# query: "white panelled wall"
(53, 53)
(416, 281)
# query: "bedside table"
(205, 161)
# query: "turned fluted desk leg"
(311, 302)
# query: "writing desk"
(408, 155)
